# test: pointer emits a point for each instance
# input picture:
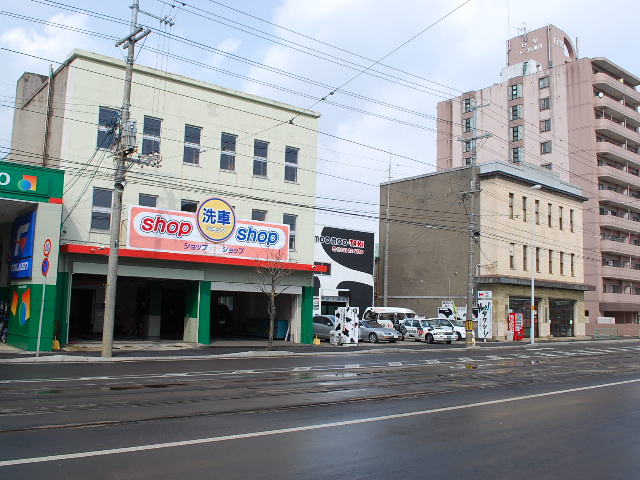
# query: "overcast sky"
(317, 46)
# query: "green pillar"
(25, 303)
(306, 316)
(204, 317)
(63, 290)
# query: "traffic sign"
(45, 266)
(47, 247)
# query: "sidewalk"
(163, 350)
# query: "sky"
(389, 63)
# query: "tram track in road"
(85, 406)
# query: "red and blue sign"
(21, 248)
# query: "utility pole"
(472, 219)
(126, 146)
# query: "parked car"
(429, 330)
(457, 325)
(374, 332)
(387, 316)
(323, 325)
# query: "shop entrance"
(561, 315)
(173, 312)
(81, 313)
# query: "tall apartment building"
(215, 143)
(579, 118)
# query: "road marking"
(395, 364)
(301, 369)
(306, 428)
(355, 365)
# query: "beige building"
(577, 117)
(429, 221)
(213, 142)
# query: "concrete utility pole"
(126, 146)
(472, 219)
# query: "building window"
(188, 206)
(291, 221)
(512, 261)
(571, 220)
(291, 164)
(572, 259)
(260, 150)
(515, 112)
(511, 206)
(544, 82)
(537, 212)
(545, 125)
(550, 261)
(524, 209)
(101, 209)
(515, 91)
(561, 263)
(545, 103)
(468, 104)
(323, 264)
(228, 152)
(517, 133)
(545, 147)
(549, 216)
(467, 124)
(151, 135)
(107, 125)
(259, 215)
(147, 200)
(467, 145)
(525, 255)
(191, 145)
(561, 218)
(547, 166)
(467, 161)
(538, 259)
(517, 154)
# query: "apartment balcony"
(621, 273)
(615, 88)
(609, 197)
(614, 222)
(608, 103)
(619, 154)
(615, 175)
(620, 248)
(619, 302)
(617, 132)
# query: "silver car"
(323, 325)
(374, 332)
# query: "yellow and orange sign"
(216, 219)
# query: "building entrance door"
(561, 316)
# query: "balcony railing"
(607, 102)
(611, 85)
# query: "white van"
(388, 316)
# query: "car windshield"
(373, 325)
(430, 323)
(458, 323)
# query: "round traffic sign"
(47, 247)
(45, 266)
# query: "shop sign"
(216, 220)
(14, 180)
(21, 248)
(172, 231)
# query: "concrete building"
(215, 143)
(577, 117)
(428, 245)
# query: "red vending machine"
(516, 324)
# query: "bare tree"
(271, 272)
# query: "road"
(561, 411)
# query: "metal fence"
(604, 333)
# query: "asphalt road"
(562, 411)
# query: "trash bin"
(335, 338)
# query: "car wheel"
(373, 338)
(458, 336)
(448, 341)
(429, 338)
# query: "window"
(259, 215)
(544, 82)
(511, 206)
(572, 264)
(515, 112)
(147, 200)
(545, 125)
(107, 123)
(517, 133)
(545, 147)
(151, 135)
(549, 206)
(561, 263)
(188, 206)
(547, 166)
(524, 209)
(291, 164)
(228, 152)
(323, 264)
(191, 145)
(537, 212)
(468, 103)
(467, 145)
(515, 91)
(525, 265)
(571, 220)
(517, 154)
(550, 261)
(561, 217)
(291, 221)
(467, 161)
(101, 209)
(545, 103)
(467, 124)
(260, 150)
(512, 262)
(538, 259)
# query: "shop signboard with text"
(158, 230)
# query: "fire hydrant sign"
(153, 229)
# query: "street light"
(532, 263)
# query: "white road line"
(355, 365)
(306, 428)
(395, 364)
(301, 369)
